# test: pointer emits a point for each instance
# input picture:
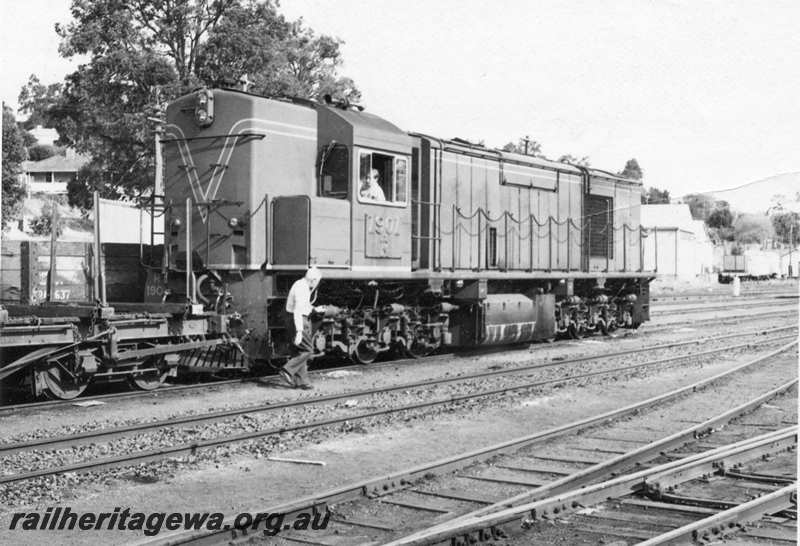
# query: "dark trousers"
(297, 366)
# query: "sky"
(704, 94)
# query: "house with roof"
(51, 175)
(676, 244)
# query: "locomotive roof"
(599, 173)
(369, 129)
(536, 161)
(375, 129)
(540, 162)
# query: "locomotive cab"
(365, 162)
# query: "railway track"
(6, 409)
(471, 497)
(32, 448)
(714, 298)
(726, 292)
(695, 496)
(778, 304)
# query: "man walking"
(298, 307)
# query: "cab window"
(383, 178)
(333, 171)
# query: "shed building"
(676, 244)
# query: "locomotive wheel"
(61, 381)
(150, 381)
(421, 343)
(575, 331)
(420, 348)
(608, 327)
(364, 352)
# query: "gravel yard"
(239, 477)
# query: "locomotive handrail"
(515, 238)
(258, 135)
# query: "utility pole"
(3, 104)
(526, 140)
(791, 247)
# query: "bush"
(38, 152)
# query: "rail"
(387, 484)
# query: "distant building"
(676, 244)
(44, 135)
(51, 175)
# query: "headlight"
(204, 108)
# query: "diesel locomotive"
(423, 243)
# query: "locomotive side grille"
(600, 225)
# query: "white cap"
(313, 273)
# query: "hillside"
(756, 197)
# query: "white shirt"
(299, 298)
(374, 192)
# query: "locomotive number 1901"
(383, 225)
(381, 233)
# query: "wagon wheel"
(421, 345)
(364, 352)
(153, 379)
(61, 378)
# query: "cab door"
(330, 209)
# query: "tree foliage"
(36, 98)
(279, 58)
(700, 205)
(654, 196)
(13, 156)
(43, 224)
(144, 53)
(783, 202)
(752, 228)
(720, 220)
(572, 160)
(525, 146)
(721, 216)
(632, 170)
(38, 152)
(787, 227)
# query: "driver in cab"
(370, 187)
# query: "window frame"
(395, 157)
(508, 166)
(347, 177)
